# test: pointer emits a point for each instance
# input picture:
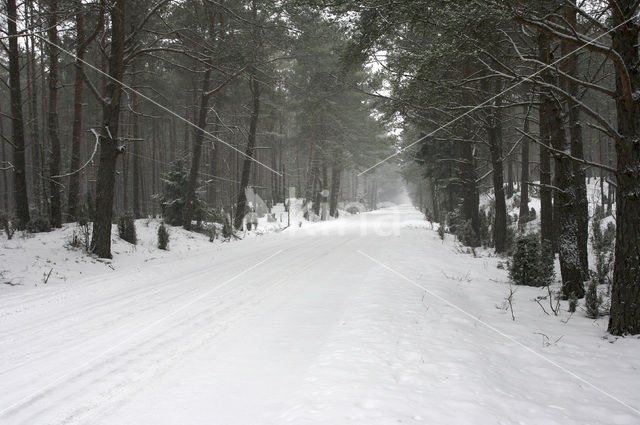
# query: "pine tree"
(530, 264)
(174, 193)
(163, 237)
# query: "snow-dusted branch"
(8, 167)
(95, 149)
(566, 154)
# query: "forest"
(174, 108)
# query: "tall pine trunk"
(109, 149)
(196, 154)
(82, 42)
(546, 195)
(5, 170)
(34, 126)
(565, 196)
(470, 195)
(581, 205)
(625, 295)
(17, 123)
(523, 216)
(241, 203)
(54, 140)
(336, 173)
(494, 138)
(137, 171)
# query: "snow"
(324, 323)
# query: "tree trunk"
(34, 126)
(322, 184)
(5, 171)
(54, 159)
(494, 136)
(109, 149)
(336, 173)
(137, 172)
(625, 295)
(546, 196)
(570, 264)
(578, 184)
(190, 198)
(82, 42)
(241, 203)
(17, 127)
(509, 178)
(470, 195)
(523, 216)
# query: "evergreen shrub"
(163, 237)
(532, 263)
(127, 228)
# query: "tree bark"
(509, 178)
(73, 200)
(5, 171)
(109, 149)
(494, 136)
(470, 195)
(137, 177)
(196, 153)
(546, 196)
(17, 123)
(54, 140)
(336, 173)
(523, 216)
(581, 205)
(241, 203)
(569, 255)
(34, 126)
(625, 294)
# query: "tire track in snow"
(140, 354)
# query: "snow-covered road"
(300, 327)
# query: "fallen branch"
(48, 276)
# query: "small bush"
(598, 213)
(467, 235)
(81, 237)
(7, 225)
(127, 228)
(216, 216)
(603, 248)
(38, 225)
(530, 265)
(163, 237)
(441, 230)
(592, 300)
(453, 220)
(227, 228)
(353, 210)
(573, 303)
(485, 237)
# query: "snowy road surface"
(300, 327)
